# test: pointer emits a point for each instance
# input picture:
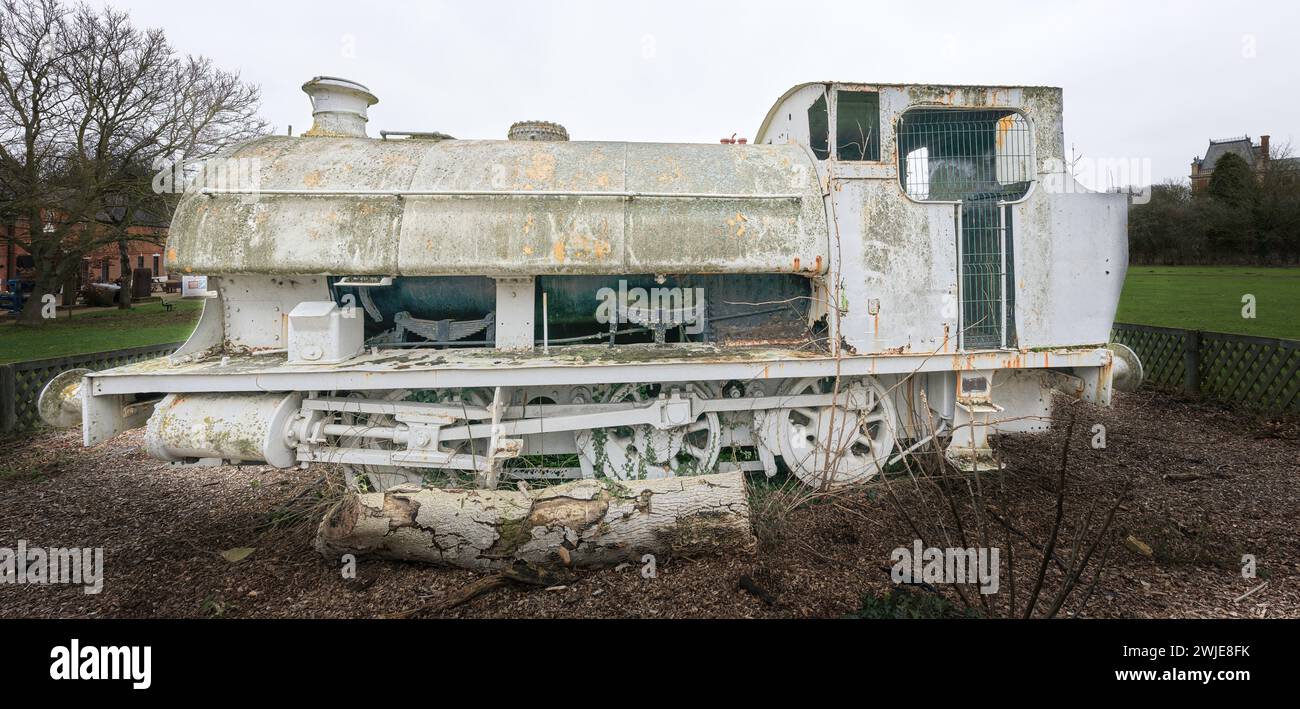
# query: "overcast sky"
(1141, 79)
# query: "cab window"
(819, 128)
(857, 125)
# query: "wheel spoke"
(644, 449)
(853, 440)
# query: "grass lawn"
(99, 331)
(1209, 298)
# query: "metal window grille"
(964, 154)
(987, 300)
(980, 159)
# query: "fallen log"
(584, 523)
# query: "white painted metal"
(514, 314)
(322, 333)
(455, 369)
(338, 106)
(235, 427)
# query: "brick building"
(101, 266)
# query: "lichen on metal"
(512, 208)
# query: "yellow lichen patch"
(542, 168)
(736, 225)
(529, 223)
(393, 160)
(581, 246)
(171, 255)
(672, 174)
(312, 179)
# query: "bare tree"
(34, 44)
(124, 102)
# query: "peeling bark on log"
(584, 523)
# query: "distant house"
(1255, 154)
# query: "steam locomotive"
(883, 267)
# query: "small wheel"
(832, 446)
(646, 452)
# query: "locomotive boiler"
(884, 266)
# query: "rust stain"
(1005, 124)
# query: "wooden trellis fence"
(1260, 372)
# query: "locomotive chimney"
(538, 130)
(338, 107)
